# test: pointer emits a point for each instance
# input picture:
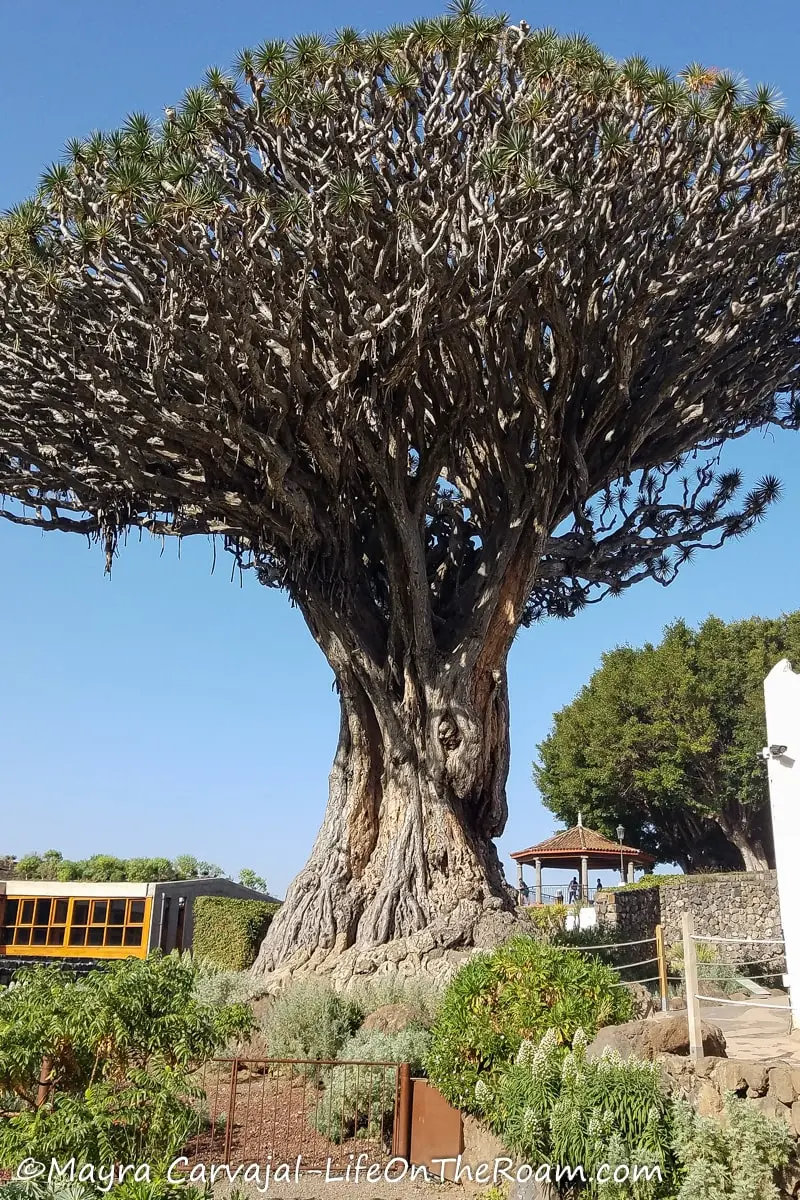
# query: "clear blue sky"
(168, 710)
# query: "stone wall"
(724, 906)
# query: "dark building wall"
(167, 908)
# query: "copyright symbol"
(30, 1168)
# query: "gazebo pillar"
(538, 864)
(520, 881)
(584, 892)
(631, 876)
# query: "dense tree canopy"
(105, 868)
(666, 739)
(423, 324)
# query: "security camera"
(772, 752)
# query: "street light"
(620, 836)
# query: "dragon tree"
(440, 330)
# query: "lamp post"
(620, 836)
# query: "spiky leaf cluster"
(402, 314)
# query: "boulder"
(643, 1002)
(393, 1018)
(772, 1107)
(481, 1145)
(780, 1084)
(666, 1033)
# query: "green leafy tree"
(114, 1052)
(209, 870)
(104, 868)
(67, 870)
(249, 879)
(30, 866)
(149, 870)
(665, 739)
(423, 325)
(186, 866)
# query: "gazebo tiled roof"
(575, 843)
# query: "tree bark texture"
(416, 797)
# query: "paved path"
(754, 1032)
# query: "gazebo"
(582, 850)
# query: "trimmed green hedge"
(228, 932)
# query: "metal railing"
(317, 1113)
(558, 895)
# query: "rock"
(493, 928)
(480, 1144)
(796, 1082)
(731, 1077)
(756, 1077)
(643, 1003)
(393, 1018)
(708, 1101)
(666, 1033)
(531, 1189)
(706, 1066)
(780, 1084)
(773, 1108)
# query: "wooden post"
(662, 967)
(692, 987)
(401, 1142)
(231, 1115)
(538, 881)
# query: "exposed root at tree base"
(435, 953)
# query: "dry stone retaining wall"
(724, 906)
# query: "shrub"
(119, 1048)
(310, 1020)
(732, 1160)
(228, 932)
(517, 992)
(129, 1188)
(359, 1100)
(215, 986)
(548, 920)
(422, 996)
(553, 1105)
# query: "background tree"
(422, 325)
(666, 740)
(248, 878)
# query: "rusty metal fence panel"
(325, 1113)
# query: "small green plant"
(359, 1100)
(735, 1159)
(517, 992)
(548, 920)
(710, 967)
(228, 931)
(554, 1105)
(310, 1020)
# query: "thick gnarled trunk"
(417, 793)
